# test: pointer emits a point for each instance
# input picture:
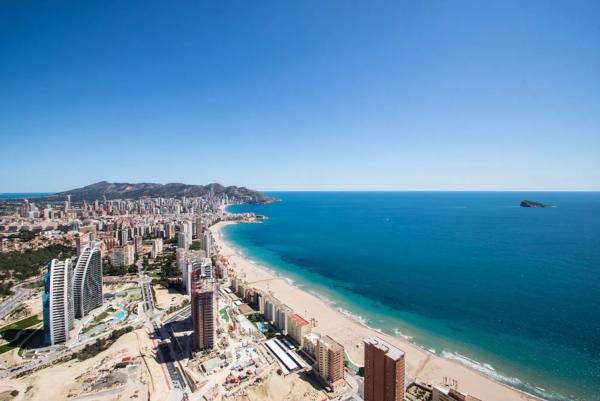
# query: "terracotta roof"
(299, 320)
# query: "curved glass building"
(87, 281)
(57, 301)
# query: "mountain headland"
(109, 190)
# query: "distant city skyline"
(301, 96)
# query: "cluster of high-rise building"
(120, 229)
(275, 312)
(195, 261)
(328, 353)
(188, 230)
(71, 291)
(125, 225)
(384, 364)
(122, 255)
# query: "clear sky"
(297, 95)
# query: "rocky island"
(528, 203)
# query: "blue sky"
(301, 95)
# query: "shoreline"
(349, 331)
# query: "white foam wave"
(485, 368)
(399, 333)
(489, 370)
(323, 298)
(353, 316)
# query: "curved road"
(21, 293)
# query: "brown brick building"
(384, 371)
(330, 359)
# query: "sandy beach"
(420, 364)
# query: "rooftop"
(390, 350)
(299, 320)
(246, 310)
(331, 343)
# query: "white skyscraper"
(189, 230)
(193, 261)
(87, 281)
(182, 240)
(157, 247)
(57, 301)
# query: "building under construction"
(203, 304)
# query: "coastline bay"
(470, 276)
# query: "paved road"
(146, 284)
(167, 356)
(147, 294)
(164, 347)
(20, 294)
(181, 315)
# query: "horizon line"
(360, 190)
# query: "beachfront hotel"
(87, 281)
(330, 360)
(281, 316)
(57, 301)
(384, 371)
(298, 327)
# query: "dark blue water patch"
(520, 284)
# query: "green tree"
(195, 246)
(24, 265)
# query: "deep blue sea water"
(511, 291)
(25, 195)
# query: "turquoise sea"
(23, 195)
(513, 292)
